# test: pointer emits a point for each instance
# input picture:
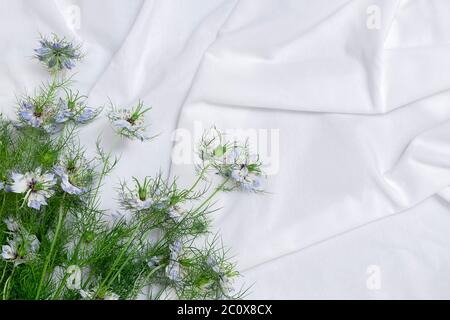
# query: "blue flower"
(57, 54)
(30, 114)
(245, 179)
(173, 269)
(73, 109)
(63, 113)
(68, 175)
(86, 115)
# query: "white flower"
(134, 202)
(66, 184)
(176, 214)
(9, 251)
(87, 294)
(130, 122)
(21, 248)
(111, 296)
(248, 181)
(11, 224)
(173, 270)
(36, 186)
(154, 261)
(74, 277)
(91, 294)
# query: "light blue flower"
(248, 181)
(74, 109)
(63, 113)
(173, 269)
(66, 182)
(30, 115)
(176, 214)
(130, 122)
(57, 53)
(86, 115)
(212, 262)
(154, 261)
(37, 187)
(21, 248)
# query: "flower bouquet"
(57, 241)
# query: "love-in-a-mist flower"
(246, 179)
(57, 53)
(232, 161)
(74, 173)
(36, 185)
(176, 213)
(73, 108)
(66, 183)
(92, 294)
(12, 224)
(37, 113)
(136, 199)
(173, 269)
(130, 122)
(226, 282)
(21, 248)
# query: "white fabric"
(363, 114)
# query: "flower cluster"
(72, 249)
(233, 161)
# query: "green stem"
(219, 188)
(61, 217)
(200, 176)
(3, 204)
(7, 286)
(4, 272)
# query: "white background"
(357, 90)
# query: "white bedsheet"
(355, 93)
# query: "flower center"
(34, 185)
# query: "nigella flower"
(130, 122)
(86, 114)
(247, 180)
(225, 281)
(57, 53)
(30, 114)
(111, 296)
(64, 113)
(74, 109)
(66, 184)
(73, 173)
(176, 213)
(21, 248)
(137, 199)
(37, 114)
(91, 294)
(11, 224)
(173, 269)
(212, 262)
(36, 186)
(154, 261)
